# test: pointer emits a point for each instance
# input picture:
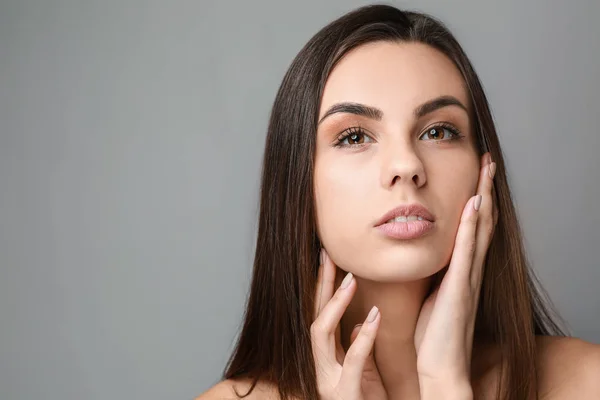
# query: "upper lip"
(405, 210)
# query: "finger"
(325, 283)
(328, 280)
(370, 371)
(354, 333)
(324, 288)
(324, 326)
(459, 270)
(485, 226)
(360, 351)
(494, 198)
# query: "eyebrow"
(376, 114)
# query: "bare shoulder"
(225, 390)
(569, 368)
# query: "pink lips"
(406, 230)
(409, 229)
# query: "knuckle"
(316, 328)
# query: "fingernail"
(372, 314)
(477, 202)
(346, 280)
(492, 170)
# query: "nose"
(401, 165)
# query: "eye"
(441, 133)
(437, 133)
(354, 136)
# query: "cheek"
(341, 197)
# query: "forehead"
(393, 76)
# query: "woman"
(389, 262)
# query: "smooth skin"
(444, 333)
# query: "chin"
(400, 265)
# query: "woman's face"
(403, 157)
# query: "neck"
(394, 349)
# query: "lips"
(406, 230)
(406, 210)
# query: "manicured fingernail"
(372, 314)
(346, 280)
(492, 170)
(477, 202)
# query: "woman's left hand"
(444, 330)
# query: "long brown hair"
(274, 344)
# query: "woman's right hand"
(343, 376)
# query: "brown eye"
(435, 133)
(353, 137)
(438, 133)
(356, 138)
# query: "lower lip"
(406, 230)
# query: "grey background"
(130, 149)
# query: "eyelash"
(358, 130)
